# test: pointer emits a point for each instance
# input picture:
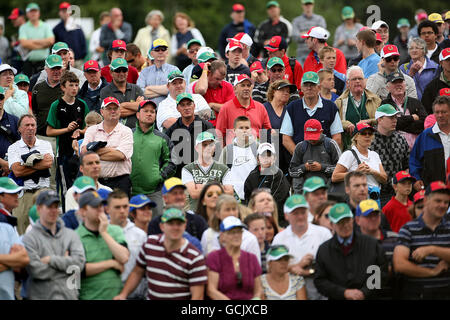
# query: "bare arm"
(132, 282)
(301, 294)
(380, 176)
(194, 189)
(93, 268)
(17, 258)
(120, 253)
(22, 171)
(202, 84)
(213, 285)
(257, 288)
(110, 154)
(37, 43)
(403, 265)
(338, 138)
(197, 292)
(160, 90)
(216, 106)
(169, 122)
(339, 173)
(289, 143)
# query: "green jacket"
(151, 163)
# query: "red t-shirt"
(223, 93)
(232, 109)
(397, 213)
(133, 74)
(298, 70)
(312, 64)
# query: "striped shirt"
(415, 234)
(171, 274)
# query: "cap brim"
(289, 210)
(407, 178)
(292, 87)
(174, 218)
(138, 206)
(347, 215)
(271, 49)
(52, 201)
(365, 214)
(176, 79)
(270, 258)
(233, 227)
(312, 136)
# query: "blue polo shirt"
(8, 237)
(8, 123)
(154, 76)
(370, 65)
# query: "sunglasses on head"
(392, 58)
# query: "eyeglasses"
(121, 70)
(427, 33)
(239, 279)
(130, 61)
(356, 79)
(366, 133)
(211, 193)
(160, 49)
(110, 109)
(419, 207)
(191, 51)
(394, 58)
(277, 70)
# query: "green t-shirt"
(29, 32)
(107, 284)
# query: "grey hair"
(353, 68)
(419, 42)
(152, 13)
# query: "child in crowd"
(326, 78)
(240, 155)
(327, 56)
(256, 224)
(91, 119)
(396, 210)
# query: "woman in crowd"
(417, 208)
(345, 35)
(271, 228)
(226, 206)
(278, 283)
(321, 218)
(152, 31)
(256, 224)
(233, 273)
(208, 199)
(360, 158)
(420, 68)
(183, 31)
(261, 201)
(278, 95)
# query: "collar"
(58, 227)
(238, 104)
(128, 87)
(423, 225)
(318, 105)
(438, 130)
(56, 85)
(100, 127)
(22, 143)
(150, 130)
(182, 125)
(345, 242)
(182, 248)
(98, 87)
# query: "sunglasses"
(191, 51)
(276, 70)
(211, 193)
(130, 61)
(160, 49)
(366, 133)
(2, 97)
(394, 58)
(121, 70)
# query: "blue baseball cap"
(140, 201)
(103, 193)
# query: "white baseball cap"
(378, 24)
(318, 33)
(5, 66)
(265, 146)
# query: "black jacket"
(407, 123)
(335, 272)
(93, 101)
(432, 91)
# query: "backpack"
(326, 143)
(229, 153)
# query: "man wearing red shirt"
(241, 105)
(213, 87)
(396, 210)
(277, 47)
(119, 50)
(316, 39)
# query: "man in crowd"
(135, 58)
(275, 25)
(192, 47)
(153, 79)
(116, 154)
(151, 161)
(356, 189)
(391, 146)
(17, 18)
(303, 240)
(35, 37)
(421, 256)
(129, 95)
(167, 113)
(302, 24)
(382, 28)
(9, 200)
(365, 42)
(53, 250)
(15, 101)
(29, 159)
(311, 106)
(90, 90)
(117, 50)
(390, 58)
(401, 40)
(235, 67)
(429, 31)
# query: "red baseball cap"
(64, 5)
(119, 45)
(91, 65)
(419, 195)
(256, 66)
(233, 45)
(107, 101)
(402, 176)
(437, 186)
(238, 7)
(365, 28)
(242, 38)
(445, 54)
(276, 43)
(15, 13)
(360, 127)
(421, 16)
(242, 77)
(145, 102)
(389, 50)
(444, 92)
(313, 129)
(378, 37)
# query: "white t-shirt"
(210, 242)
(168, 109)
(430, 52)
(187, 177)
(348, 160)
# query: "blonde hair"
(272, 88)
(93, 118)
(325, 50)
(322, 73)
(251, 204)
(183, 15)
(223, 199)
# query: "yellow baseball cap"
(436, 18)
(159, 43)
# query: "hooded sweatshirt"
(60, 278)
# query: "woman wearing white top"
(370, 162)
(227, 206)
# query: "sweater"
(424, 78)
(377, 84)
(75, 39)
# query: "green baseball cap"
(339, 211)
(272, 3)
(53, 61)
(192, 41)
(307, 1)
(173, 214)
(33, 215)
(386, 110)
(149, 55)
(21, 78)
(176, 74)
(32, 6)
(276, 252)
(7, 185)
(314, 183)
(183, 96)
(59, 46)
(347, 13)
(295, 201)
(403, 22)
(205, 56)
(2, 91)
(274, 61)
(83, 183)
(118, 63)
(204, 136)
(310, 76)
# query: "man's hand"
(315, 166)
(418, 185)
(306, 260)
(353, 294)
(45, 259)
(420, 253)
(140, 99)
(120, 297)
(350, 128)
(441, 266)
(9, 93)
(381, 66)
(117, 265)
(415, 117)
(72, 126)
(103, 226)
(5, 168)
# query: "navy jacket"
(75, 39)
